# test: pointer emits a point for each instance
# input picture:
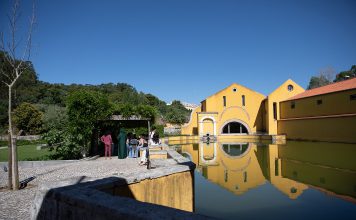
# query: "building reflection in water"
(291, 168)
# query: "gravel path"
(16, 204)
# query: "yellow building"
(237, 110)
(326, 113)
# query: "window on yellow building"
(225, 176)
(353, 97)
(275, 110)
(203, 106)
(292, 105)
(319, 102)
(224, 100)
(243, 100)
(290, 88)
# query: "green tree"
(146, 111)
(28, 118)
(318, 81)
(85, 108)
(325, 77)
(346, 74)
(175, 117)
(54, 117)
(177, 113)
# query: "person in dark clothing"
(122, 153)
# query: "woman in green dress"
(122, 152)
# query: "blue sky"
(189, 49)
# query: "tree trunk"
(14, 165)
(15, 169)
(9, 164)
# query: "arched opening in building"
(234, 128)
(208, 126)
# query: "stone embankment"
(95, 183)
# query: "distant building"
(189, 106)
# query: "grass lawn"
(27, 152)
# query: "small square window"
(319, 102)
(292, 105)
(353, 97)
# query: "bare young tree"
(328, 73)
(11, 46)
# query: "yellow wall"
(334, 120)
(337, 129)
(191, 128)
(278, 95)
(333, 104)
(176, 191)
(250, 114)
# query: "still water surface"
(297, 180)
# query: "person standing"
(107, 140)
(122, 153)
(143, 146)
(133, 144)
(151, 135)
(128, 145)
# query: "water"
(296, 180)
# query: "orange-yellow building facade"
(323, 114)
(237, 110)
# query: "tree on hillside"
(18, 65)
(324, 77)
(28, 118)
(177, 113)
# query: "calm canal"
(297, 180)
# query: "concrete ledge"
(170, 183)
(90, 203)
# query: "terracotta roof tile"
(334, 87)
